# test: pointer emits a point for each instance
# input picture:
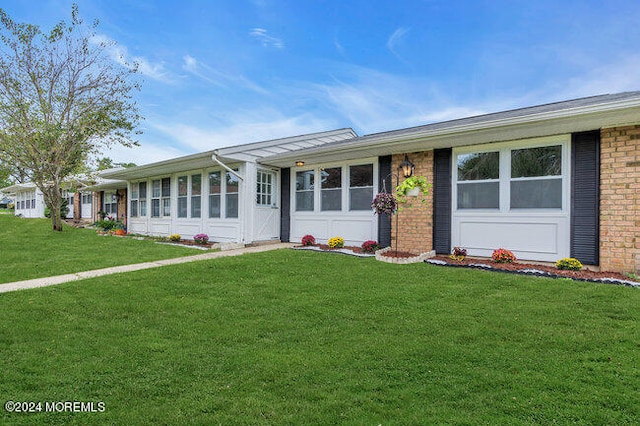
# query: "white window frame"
(266, 195)
(504, 180)
(345, 188)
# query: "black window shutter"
(585, 196)
(285, 204)
(385, 181)
(442, 200)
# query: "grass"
(31, 250)
(291, 337)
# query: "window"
(183, 192)
(478, 180)
(133, 202)
(304, 191)
(110, 204)
(215, 187)
(265, 188)
(142, 194)
(155, 198)
(529, 178)
(360, 187)
(196, 192)
(166, 196)
(536, 178)
(231, 198)
(331, 189)
(87, 199)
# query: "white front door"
(267, 210)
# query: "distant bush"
(370, 246)
(503, 256)
(336, 242)
(458, 253)
(201, 238)
(569, 263)
(308, 240)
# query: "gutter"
(227, 168)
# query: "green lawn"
(29, 249)
(292, 337)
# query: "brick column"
(415, 219)
(620, 199)
(122, 205)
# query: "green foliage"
(107, 224)
(336, 242)
(64, 209)
(304, 338)
(569, 263)
(412, 182)
(72, 98)
(502, 255)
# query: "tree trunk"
(56, 205)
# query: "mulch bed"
(540, 270)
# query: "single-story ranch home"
(546, 182)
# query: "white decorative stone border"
(343, 251)
(402, 260)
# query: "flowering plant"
(336, 242)
(308, 240)
(412, 182)
(569, 263)
(503, 256)
(384, 203)
(370, 246)
(175, 237)
(201, 238)
(458, 253)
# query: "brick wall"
(122, 205)
(620, 199)
(415, 219)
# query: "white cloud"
(250, 126)
(616, 76)
(120, 54)
(265, 39)
(394, 41)
(218, 78)
(144, 154)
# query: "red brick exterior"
(415, 219)
(122, 205)
(620, 199)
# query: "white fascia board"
(534, 125)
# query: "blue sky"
(219, 73)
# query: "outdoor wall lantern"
(406, 167)
(299, 163)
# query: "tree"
(62, 99)
(105, 163)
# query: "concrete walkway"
(59, 279)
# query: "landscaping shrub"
(201, 238)
(503, 256)
(175, 237)
(308, 240)
(107, 224)
(384, 203)
(569, 263)
(458, 253)
(370, 246)
(336, 242)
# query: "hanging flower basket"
(384, 203)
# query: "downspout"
(227, 168)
